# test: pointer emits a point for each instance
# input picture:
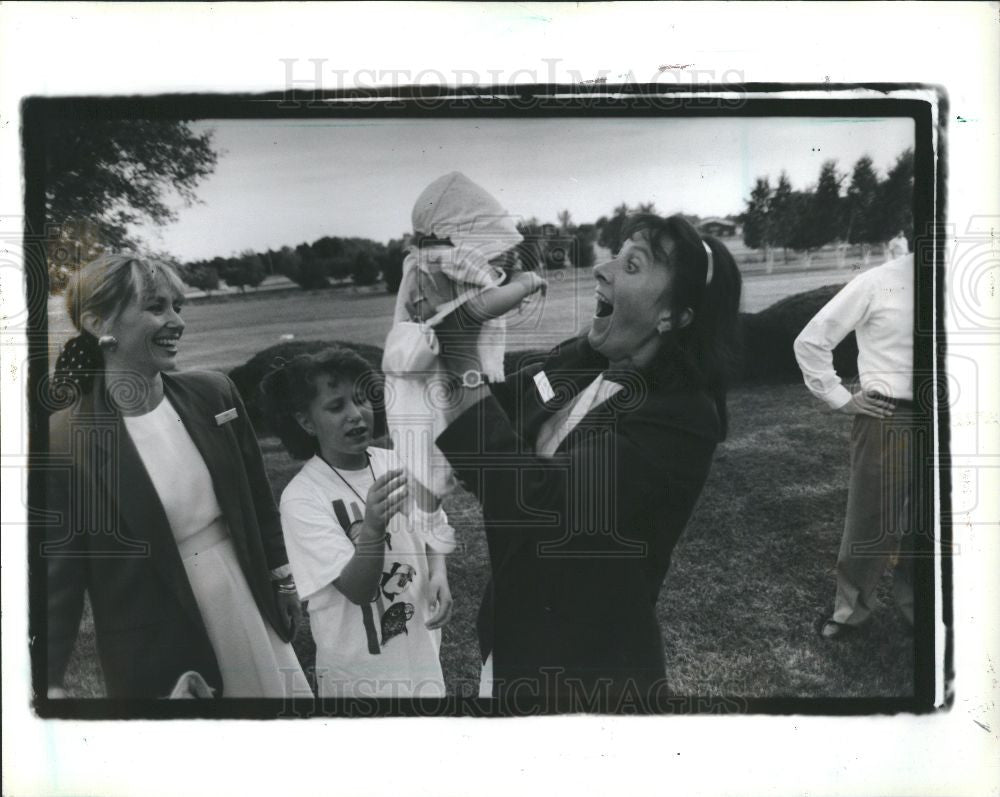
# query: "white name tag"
(544, 388)
(226, 417)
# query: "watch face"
(472, 379)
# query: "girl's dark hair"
(706, 351)
(290, 387)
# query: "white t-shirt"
(379, 649)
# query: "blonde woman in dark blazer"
(164, 514)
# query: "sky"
(285, 182)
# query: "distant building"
(721, 228)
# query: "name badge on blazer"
(226, 417)
(544, 388)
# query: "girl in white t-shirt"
(375, 578)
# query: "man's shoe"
(830, 630)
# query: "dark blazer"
(579, 544)
(110, 537)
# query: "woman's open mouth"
(168, 341)
(604, 307)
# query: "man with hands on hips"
(878, 306)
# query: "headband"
(711, 265)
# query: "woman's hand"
(440, 599)
(384, 499)
(531, 281)
(862, 403)
(289, 609)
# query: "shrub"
(248, 376)
(768, 337)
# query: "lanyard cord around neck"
(349, 485)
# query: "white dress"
(253, 659)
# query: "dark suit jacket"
(110, 537)
(580, 543)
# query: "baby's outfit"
(458, 228)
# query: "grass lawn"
(751, 573)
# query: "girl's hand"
(862, 403)
(440, 600)
(385, 498)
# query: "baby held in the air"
(451, 276)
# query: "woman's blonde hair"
(105, 285)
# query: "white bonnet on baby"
(455, 207)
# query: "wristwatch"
(472, 379)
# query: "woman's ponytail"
(77, 365)
(717, 333)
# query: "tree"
(827, 212)
(583, 246)
(69, 246)
(756, 232)
(201, 275)
(311, 272)
(287, 262)
(531, 251)
(895, 199)
(820, 213)
(784, 215)
(391, 265)
(101, 177)
(247, 269)
(365, 270)
(862, 195)
(798, 208)
(564, 220)
(646, 207)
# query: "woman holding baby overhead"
(161, 508)
(588, 467)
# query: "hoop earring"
(108, 342)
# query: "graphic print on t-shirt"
(396, 580)
(394, 620)
(393, 583)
